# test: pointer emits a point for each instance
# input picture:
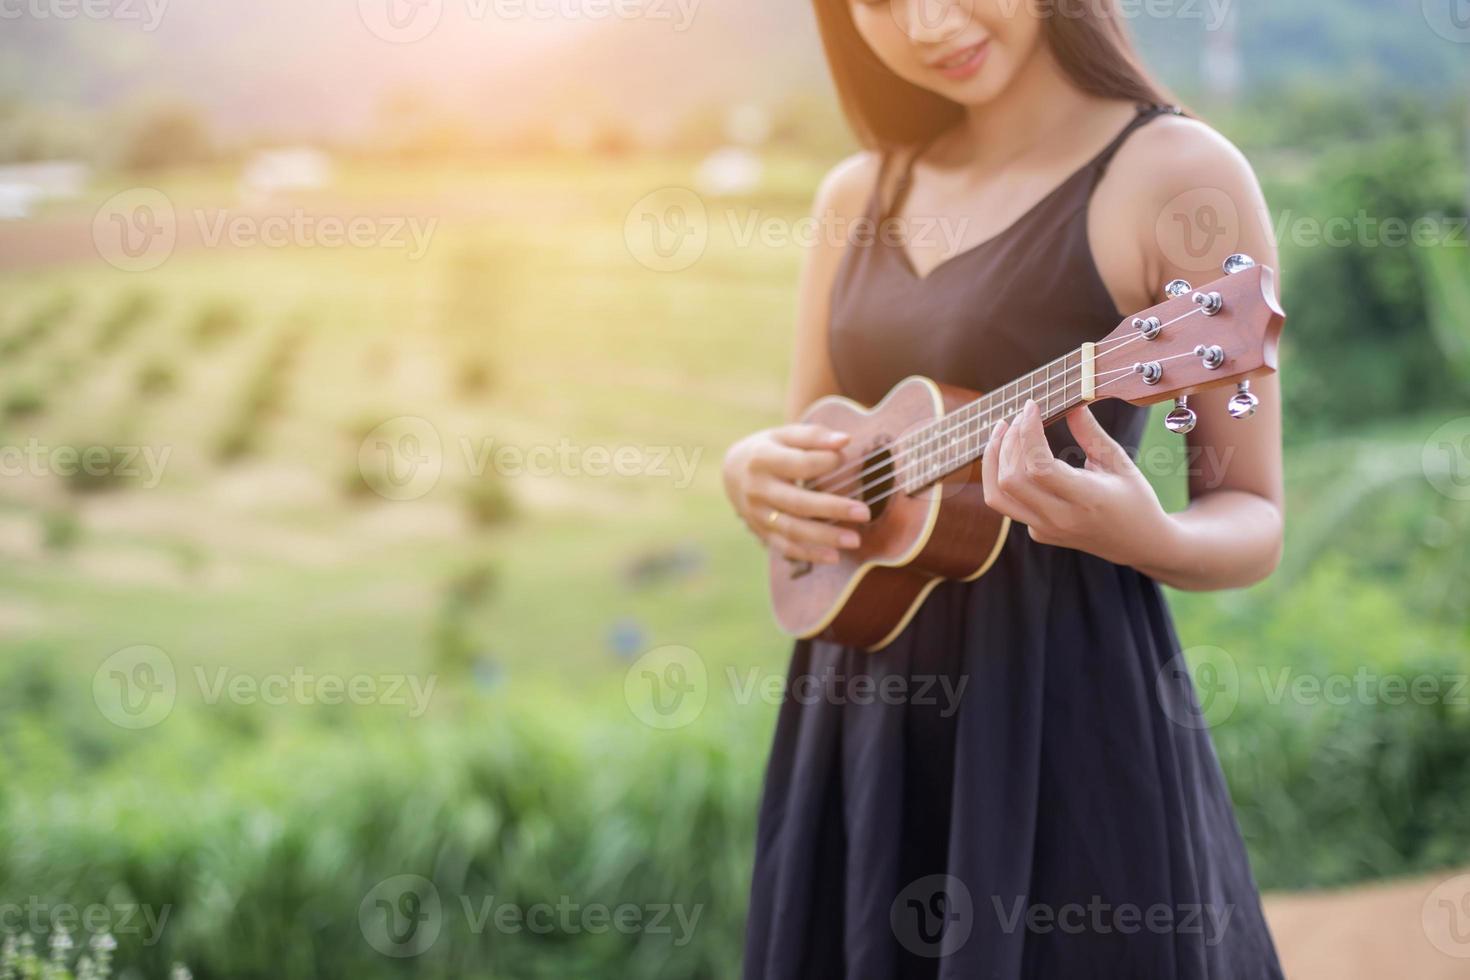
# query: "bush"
(157, 378)
(130, 312)
(487, 501)
(24, 403)
(217, 322)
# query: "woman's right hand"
(761, 473)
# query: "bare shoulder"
(847, 186)
(1176, 200)
(1173, 154)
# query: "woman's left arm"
(1201, 203)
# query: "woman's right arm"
(761, 471)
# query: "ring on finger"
(773, 517)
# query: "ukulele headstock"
(1200, 338)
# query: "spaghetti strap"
(1146, 112)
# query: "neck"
(956, 440)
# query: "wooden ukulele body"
(914, 542)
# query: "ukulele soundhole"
(878, 481)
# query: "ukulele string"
(827, 483)
(912, 466)
(844, 479)
(984, 445)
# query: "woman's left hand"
(1106, 508)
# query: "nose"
(931, 21)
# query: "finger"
(797, 551)
(809, 435)
(1103, 451)
(1015, 477)
(1033, 453)
(990, 469)
(791, 499)
(797, 464)
(817, 533)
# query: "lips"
(963, 63)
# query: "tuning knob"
(1242, 404)
(1181, 417)
(1176, 288)
(1239, 262)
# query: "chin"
(989, 83)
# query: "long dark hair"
(1089, 42)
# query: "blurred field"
(264, 548)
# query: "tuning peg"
(1239, 262)
(1181, 417)
(1242, 404)
(1176, 288)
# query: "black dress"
(1020, 785)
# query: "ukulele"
(914, 458)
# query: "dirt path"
(1416, 929)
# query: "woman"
(1047, 817)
